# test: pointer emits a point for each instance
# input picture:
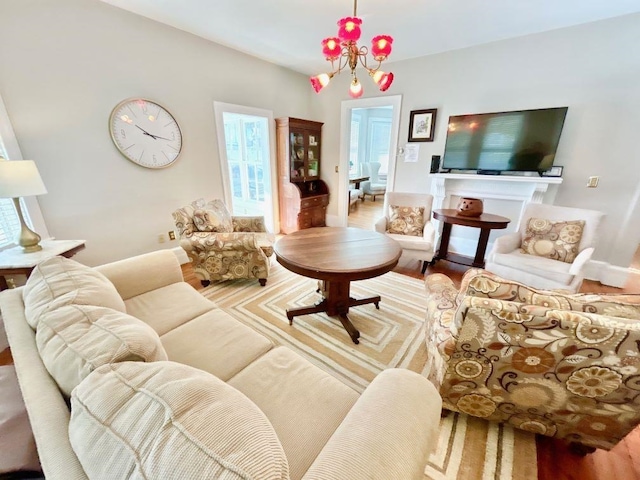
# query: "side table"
(485, 222)
(13, 261)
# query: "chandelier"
(344, 49)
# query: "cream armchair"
(242, 249)
(509, 260)
(417, 241)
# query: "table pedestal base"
(336, 303)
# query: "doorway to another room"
(368, 145)
(246, 144)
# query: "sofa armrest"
(389, 432)
(381, 225)
(581, 260)
(48, 412)
(429, 233)
(140, 274)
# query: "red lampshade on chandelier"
(344, 48)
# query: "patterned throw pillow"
(406, 220)
(211, 217)
(555, 240)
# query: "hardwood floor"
(555, 461)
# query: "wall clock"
(145, 133)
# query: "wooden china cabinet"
(303, 195)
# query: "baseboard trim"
(607, 274)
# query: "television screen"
(525, 140)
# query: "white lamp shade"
(20, 178)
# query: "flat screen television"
(523, 141)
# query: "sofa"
(549, 362)
(128, 372)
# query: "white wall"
(65, 64)
(593, 69)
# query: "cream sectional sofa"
(128, 372)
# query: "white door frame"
(395, 101)
(271, 218)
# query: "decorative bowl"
(470, 207)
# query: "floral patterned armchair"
(221, 246)
(557, 364)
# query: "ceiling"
(289, 32)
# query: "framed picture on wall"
(422, 125)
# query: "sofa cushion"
(216, 343)
(411, 242)
(535, 265)
(406, 220)
(74, 340)
(164, 420)
(168, 307)
(304, 404)
(555, 240)
(61, 281)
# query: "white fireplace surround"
(504, 195)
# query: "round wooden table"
(485, 222)
(337, 256)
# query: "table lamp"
(20, 178)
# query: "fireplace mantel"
(523, 189)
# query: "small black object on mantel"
(435, 164)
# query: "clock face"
(145, 133)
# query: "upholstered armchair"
(374, 186)
(407, 219)
(221, 246)
(550, 249)
(561, 365)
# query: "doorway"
(368, 133)
(246, 144)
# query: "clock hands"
(144, 131)
(155, 137)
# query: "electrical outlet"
(172, 234)
(593, 182)
(161, 238)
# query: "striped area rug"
(468, 448)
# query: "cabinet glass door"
(313, 156)
(305, 155)
(298, 156)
